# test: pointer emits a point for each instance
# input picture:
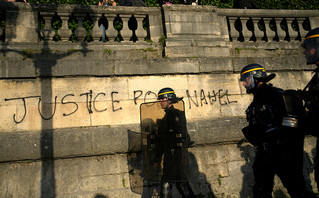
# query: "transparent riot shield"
(164, 136)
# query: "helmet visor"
(309, 51)
(248, 82)
(163, 96)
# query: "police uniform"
(311, 92)
(279, 149)
(311, 97)
(173, 144)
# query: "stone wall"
(70, 110)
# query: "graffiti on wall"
(199, 99)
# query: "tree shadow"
(44, 61)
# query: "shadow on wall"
(308, 169)
(100, 196)
(44, 61)
(248, 153)
(148, 189)
(198, 180)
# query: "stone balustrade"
(70, 111)
(131, 24)
(54, 23)
(268, 25)
(137, 24)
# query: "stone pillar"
(22, 26)
(234, 34)
(303, 32)
(155, 25)
(292, 33)
(281, 33)
(246, 33)
(80, 32)
(140, 31)
(96, 31)
(269, 32)
(64, 32)
(258, 33)
(47, 32)
(111, 32)
(126, 33)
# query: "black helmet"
(167, 93)
(311, 46)
(254, 72)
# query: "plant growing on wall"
(118, 25)
(88, 25)
(73, 25)
(56, 24)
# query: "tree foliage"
(261, 4)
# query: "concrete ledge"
(65, 143)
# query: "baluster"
(80, 32)
(47, 32)
(126, 32)
(96, 31)
(281, 33)
(259, 34)
(234, 33)
(111, 32)
(247, 34)
(302, 31)
(291, 32)
(140, 32)
(64, 32)
(269, 32)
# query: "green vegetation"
(261, 4)
(239, 49)
(27, 53)
(108, 51)
(220, 177)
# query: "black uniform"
(311, 97)
(279, 149)
(173, 143)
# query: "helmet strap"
(168, 103)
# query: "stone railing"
(268, 25)
(198, 25)
(81, 23)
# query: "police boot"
(185, 190)
(165, 191)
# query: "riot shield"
(152, 116)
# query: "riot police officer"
(279, 150)
(311, 92)
(173, 142)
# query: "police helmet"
(311, 46)
(254, 72)
(168, 94)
